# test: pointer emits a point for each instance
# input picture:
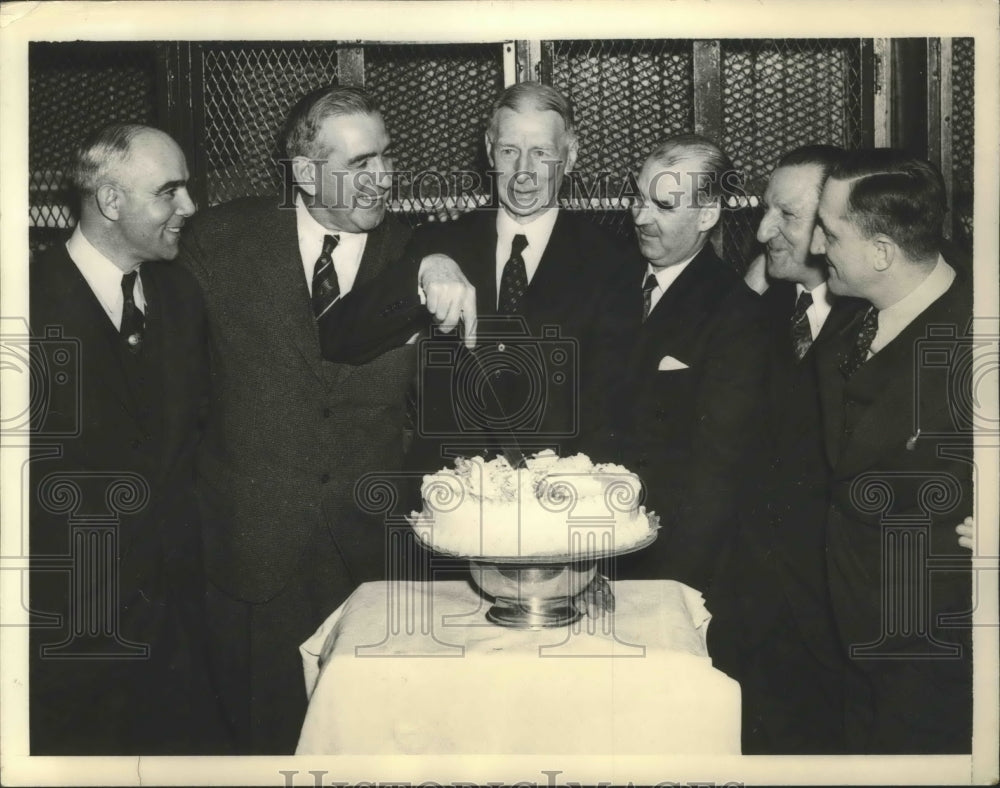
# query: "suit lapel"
(85, 320)
(281, 278)
(171, 388)
(670, 318)
(481, 246)
(554, 273)
(884, 390)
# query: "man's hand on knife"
(450, 296)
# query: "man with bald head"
(137, 324)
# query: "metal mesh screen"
(963, 137)
(436, 101)
(74, 88)
(627, 96)
(248, 90)
(777, 95)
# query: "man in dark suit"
(290, 433)
(685, 336)
(118, 652)
(896, 410)
(772, 623)
(539, 272)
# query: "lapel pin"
(911, 442)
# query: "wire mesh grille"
(627, 95)
(74, 88)
(249, 89)
(436, 101)
(778, 95)
(963, 137)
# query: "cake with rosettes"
(553, 506)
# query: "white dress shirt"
(537, 231)
(819, 310)
(893, 319)
(346, 257)
(664, 278)
(103, 276)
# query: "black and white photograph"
(459, 393)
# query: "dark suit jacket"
(531, 382)
(290, 433)
(886, 474)
(690, 433)
(779, 566)
(97, 424)
(540, 368)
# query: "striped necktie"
(325, 287)
(801, 333)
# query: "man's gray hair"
(310, 111)
(532, 95)
(711, 158)
(101, 152)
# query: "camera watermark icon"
(962, 367)
(512, 383)
(51, 364)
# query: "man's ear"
(108, 199)
(884, 252)
(573, 147)
(304, 174)
(489, 150)
(709, 216)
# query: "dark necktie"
(513, 280)
(862, 343)
(133, 321)
(325, 287)
(647, 295)
(801, 333)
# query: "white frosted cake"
(556, 506)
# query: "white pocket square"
(668, 363)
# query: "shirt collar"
(822, 299)
(668, 275)
(893, 319)
(103, 276)
(309, 228)
(537, 231)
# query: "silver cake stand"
(537, 592)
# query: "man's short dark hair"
(100, 152)
(310, 111)
(723, 176)
(822, 156)
(896, 194)
(532, 95)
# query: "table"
(410, 668)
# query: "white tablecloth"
(409, 668)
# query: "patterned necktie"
(133, 320)
(862, 344)
(514, 279)
(325, 287)
(801, 333)
(647, 295)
